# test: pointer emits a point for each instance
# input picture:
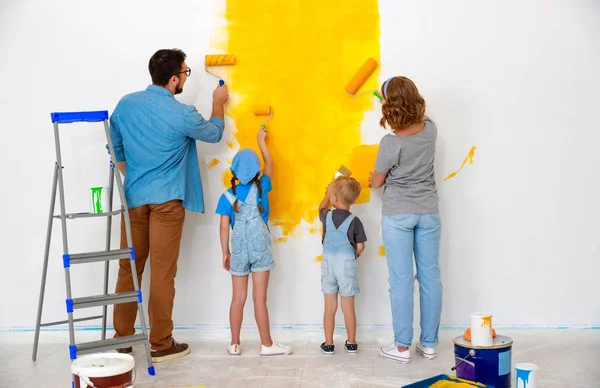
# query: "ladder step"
(110, 344)
(91, 257)
(74, 320)
(90, 215)
(105, 300)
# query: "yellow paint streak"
(297, 56)
(381, 251)
(281, 239)
(213, 163)
(486, 321)
(319, 258)
(469, 159)
(229, 144)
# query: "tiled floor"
(567, 358)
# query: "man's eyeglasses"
(188, 72)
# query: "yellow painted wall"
(297, 56)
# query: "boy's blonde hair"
(347, 189)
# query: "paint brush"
(342, 171)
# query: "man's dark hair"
(164, 64)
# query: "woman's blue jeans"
(403, 235)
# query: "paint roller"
(263, 110)
(219, 60)
(360, 77)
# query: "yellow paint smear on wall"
(381, 251)
(213, 163)
(297, 56)
(319, 258)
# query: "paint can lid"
(501, 341)
(102, 365)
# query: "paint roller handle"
(471, 353)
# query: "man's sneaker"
(351, 348)
(128, 350)
(176, 350)
(427, 352)
(327, 349)
(392, 353)
(234, 350)
(275, 350)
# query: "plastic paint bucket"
(481, 329)
(103, 370)
(526, 375)
(99, 199)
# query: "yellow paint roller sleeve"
(262, 110)
(220, 60)
(361, 76)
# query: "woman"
(410, 217)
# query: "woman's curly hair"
(403, 104)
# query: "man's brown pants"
(155, 229)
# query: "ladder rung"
(74, 320)
(91, 215)
(109, 344)
(105, 300)
(91, 257)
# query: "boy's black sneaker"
(327, 349)
(351, 348)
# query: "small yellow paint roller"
(219, 60)
(263, 110)
(361, 77)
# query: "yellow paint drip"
(229, 144)
(319, 258)
(213, 163)
(486, 321)
(297, 57)
(381, 251)
(469, 158)
(281, 239)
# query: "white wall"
(519, 79)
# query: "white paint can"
(104, 370)
(99, 199)
(526, 375)
(481, 329)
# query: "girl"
(410, 222)
(245, 209)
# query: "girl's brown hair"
(403, 104)
(256, 181)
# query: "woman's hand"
(226, 261)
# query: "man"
(154, 137)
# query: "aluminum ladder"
(68, 259)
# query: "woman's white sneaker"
(275, 350)
(427, 352)
(234, 350)
(392, 353)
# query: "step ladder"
(68, 259)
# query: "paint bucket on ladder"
(99, 199)
(526, 375)
(481, 329)
(489, 365)
(104, 370)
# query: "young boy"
(343, 241)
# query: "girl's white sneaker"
(234, 350)
(275, 350)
